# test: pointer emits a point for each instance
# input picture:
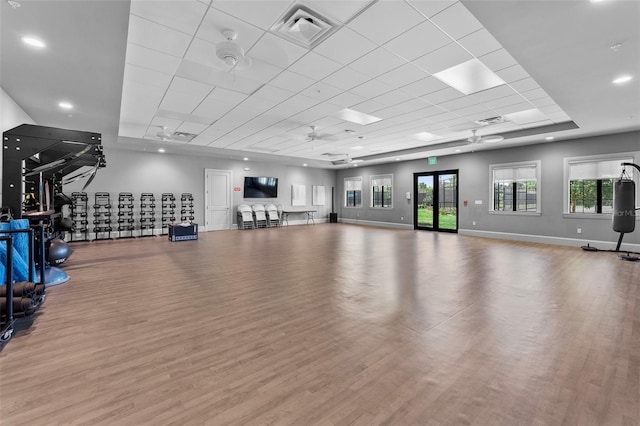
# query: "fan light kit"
(229, 52)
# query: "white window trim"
(538, 165)
(635, 155)
(344, 193)
(371, 178)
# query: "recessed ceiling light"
(597, 1)
(622, 79)
(357, 161)
(357, 147)
(65, 105)
(304, 165)
(549, 138)
(469, 77)
(246, 158)
(357, 117)
(458, 150)
(355, 165)
(397, 159)
(427, 137)
(34, 42)
(160, 149)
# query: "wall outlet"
(579, 230)
(474, 223)
(401, 217)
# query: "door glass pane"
(425, 201)
(447, 202)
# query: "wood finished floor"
(330, 324)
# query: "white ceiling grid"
(380, 62)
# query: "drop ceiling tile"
(543, 102)
(347, 100)
(158, 122)
(270, 92)
(512, 73)
(315, 66)
(262, 14)
(151, 59)
(184, 95)
(524, 85)
(346, 78)
(338, 10)
(424, 86)
(441, 96)
(403, 75)
(276, 51)
(146, 76)
(418, 41)
(480, 43)
(385, 20)
(393, 97)
(505, 101)
(345, 46)
(368, 107)
(291, 81)
(139, 101)
(195, 128)
(235, 82)
(377, 62)
(216, 21)
(534, 94)
(430, 8)
(510, 109)
(321, 91)
(457, 104)
(492, 94)
(371, 89)
(203, 52)
(157, 37)
(293, 105)
(213, 109)
(443, 58)
(498, 60)
(457, 21)
(259, 71)
(184, 16)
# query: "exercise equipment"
(624, 210)
(168, 211)
(58, 251)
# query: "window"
(353, 192)
(381, 191)
(590, 183)
(516, 187)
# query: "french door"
(436, 201)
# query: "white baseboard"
(375, 223)
(545, 239)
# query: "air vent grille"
(303, 26)
(491, 120)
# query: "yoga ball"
(624, 206)
(59, 251)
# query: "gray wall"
(137, 172)
(474, 185)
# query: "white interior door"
(218, 199)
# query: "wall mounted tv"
(260, 187)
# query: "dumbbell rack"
(125, 215)
(102, 216)
(79, 216)
(186, 208)
(147, 214)
(168, 211)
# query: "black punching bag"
(624, 206)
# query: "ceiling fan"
(230, 54)
(475, 138)
(314, 135)
(346, 159)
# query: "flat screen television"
(260, 187)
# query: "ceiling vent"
(303, 26)
(491, 120)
